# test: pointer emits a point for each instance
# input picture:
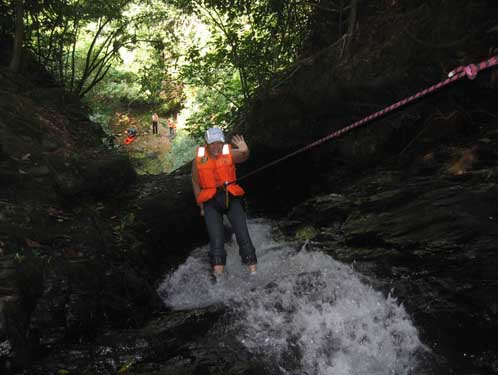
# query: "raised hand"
(239, 142)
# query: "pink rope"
(470, 71)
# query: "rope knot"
(471, 71)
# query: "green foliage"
(102, 116)
(161, 90)
(209, 55)
(78, 40)
(120, 89)
(256, 38)
(146, 162)
(249, 43)
(151, 78)
(144, 80)
(211, 109)
(182, 150)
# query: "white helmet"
(214, 135)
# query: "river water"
(302, 313)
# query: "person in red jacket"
(216, 193)
(131, 135)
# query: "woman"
(217, 193)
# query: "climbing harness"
(470, 71)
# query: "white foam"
(304, 310)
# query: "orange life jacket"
(213, 172)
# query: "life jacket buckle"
(223, 187)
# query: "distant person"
(212, 169)
(155, 121)
(171, 127)
(131, 132)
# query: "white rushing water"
(303, 310)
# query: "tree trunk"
(15, 62)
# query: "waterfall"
(303, 311)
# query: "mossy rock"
(306, 233)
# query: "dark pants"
(213, 216)
(154, 127)
(171, 132)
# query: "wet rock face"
(67, 270)
(66, 283)
(168, 220)
(77, 293)
(172, 342)
(79, 250)
(11, 340)
(101, 177)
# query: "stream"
(302, 313)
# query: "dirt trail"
(147, 147)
